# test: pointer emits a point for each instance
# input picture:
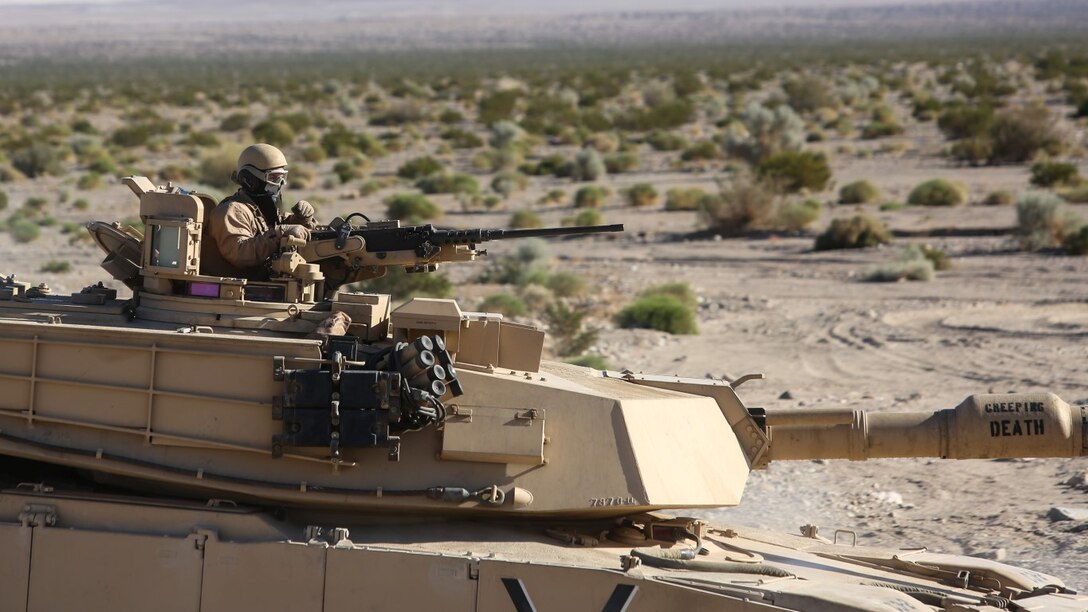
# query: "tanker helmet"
(262, 169)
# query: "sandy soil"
(998, 321)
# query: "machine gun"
(348, 253)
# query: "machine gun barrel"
(424, 240)
(482, 235)
(981, 427)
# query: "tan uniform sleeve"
(235, 231)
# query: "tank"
(220, 443)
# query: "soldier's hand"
(303, 213)
(295, 231)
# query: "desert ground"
(1000, 319)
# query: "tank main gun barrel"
(981, 427)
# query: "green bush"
(1075, 195)
(793, 171)
(809, 93)
(666, 141)
(858, 192)
(1001, 197)
(350, 169)
(567, 329)
(91, 180)
(462, 139)
(915, 270)
(449, 183)
(497, 106)
(402, 285)
(1077, 242)
(595, 362)
(506, 304)
(81, 204)
(3, 199)
(565, 284)
(678, 290)
(525, 219)
(588, 166)
(24, 230)
(234, 122)
(705, 150)
(507, 183)
(36, 160)
(936, 255)
(1050, 174)
(763, 132)
(527, 264)
(857, 232)
(684, 199)
(419, 167)
(412, 208)
(590, 196)
(641, 194)
(618, 163)
(1043, 221)
(796, 216)
(961, 121)
(553, 196)
(880, 129)
(661, 312)
(451, 116)
(1018, 134)
(589, 216)
(55, 266)
(741, 204)
(216, 167)
(938, 192)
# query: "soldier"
(245, 229)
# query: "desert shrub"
(9, 174)
(497, 106)
(234, 122)
(974, 151)
(91, 180)
(938, 192)
(449, 183)
(743, 203)
(411, 207)
(704, 150)
(880, 129)
(589, 216)
(1043, 221)
(350, 169)
(858, 192)
(595, 362)
(506, 134)
(618, 163)
(215, 168)
(1018, 134)
(925, 107)
(36, 160)
(762, 132)
(419, 167)
(491, 201)
(679, 290)
(451, 116)
(83, 126)
(462, 139)
(810, 93)
(961, 121)
(641, 194)
(403, 285)
(201, 139)
(507, 183)
(906, 267)
(1001, 197)
(936, 255)
(506, 304)
(55, 266)
(667, 115)
(339, 141)
(857, 232)
(527, 264)
(684, 199)
(1076, 243)
(314, 153)
(3, 199)
(1075, 195)
(793, 171)
(798, 215)
(81, 204)
(566, 326)
(661, 312)
(666, 141)
(1050, 174)
(525, 219)
(565, 284)
(35, 205)
(590, 196)
(24, 230)
(553, 196)
(588, 166)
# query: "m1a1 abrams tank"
(223, 444)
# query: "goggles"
(276, 176)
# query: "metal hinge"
(474, 569)
(37, 515)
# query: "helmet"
(262, 168)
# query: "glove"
(295, 231)
(302, 213)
